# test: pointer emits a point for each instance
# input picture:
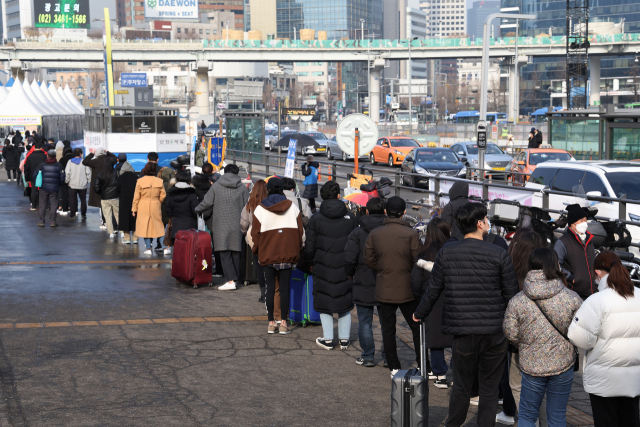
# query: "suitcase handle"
(423, 350)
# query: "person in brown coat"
(391, 251)
(146, 207)
(96, 161)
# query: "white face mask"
(582, 227)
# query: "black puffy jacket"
(201, 184)
(10, 157)
(52, 175)
(33, 161)
(364, 278)
(327, 234)
(180, 206)
(107, 188)
(458, 197)
(478, 281)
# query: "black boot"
(263, 291)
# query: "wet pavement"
(94, 333)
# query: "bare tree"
(118, 68)
(496, 95)
(95, 34)
(267, 96)
(31, 32)
(47, 32)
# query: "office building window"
(179, 30)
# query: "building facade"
(477, 15)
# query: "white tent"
(54, 104)
(17, 109)
(35, 88)
(68, 102)
(73, 99)
(27, 88)
(3, 93)
(62, 106)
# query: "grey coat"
(227, 197)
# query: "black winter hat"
(275, 184)
(395, 205)
(575, 213)
(122, 157)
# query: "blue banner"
(133, 80)
(291, 158)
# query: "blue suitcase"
(301, 299)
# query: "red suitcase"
(192, 258)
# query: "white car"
(608, 178)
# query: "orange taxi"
(392, 149)
(528, 159)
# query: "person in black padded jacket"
(106, 185)
(181, 207)
(364, 279)
(52, 176)
(478, 280)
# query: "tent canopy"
(73, 99)
(43, 108)
(61, 105)
(35, 88)
(17, 109)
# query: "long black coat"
(327, 235)
(458, 197)
(202, 184)
(127, 187)
(10, 157)
(32, 162)
(96, 163)
(364, 278)
(433, 325)
(180, 206)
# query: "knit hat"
(575, 213)
(310, 158)
(395, 205)
(51, 153)
(275, 184)
(533, 129)
(122, 157)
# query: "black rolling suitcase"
(248, 271)
(410, 393)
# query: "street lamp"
(227, 23)
(294, 33)
(361, 29)
(516, 94)
(551, 31)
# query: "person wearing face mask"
(607, 327)
(478, 280)
(576, 253)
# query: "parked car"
(494, 158)
(282, 135)
(322, 141)
(608, 178)
(213, 129)
(270, 138)
(392, 150)
(527, 160)
(430, 162)
(334, 151)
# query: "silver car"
(322, 141)
(270, 138)
(334, 151)
(494, 157)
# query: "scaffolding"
(577, 53)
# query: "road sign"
(481, 130)
(346, 134)
(194, 113)
(133, 80)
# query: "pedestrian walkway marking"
(119, 261)
(574, 416)
(132, 322)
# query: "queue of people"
(515, 316)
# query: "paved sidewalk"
(94, 333)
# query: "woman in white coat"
(607, 327)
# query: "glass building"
(619, 74)
(478, 14)
(340, 19)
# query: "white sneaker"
(103, 226)
(505, 419)
(148, 252)
(112, 235)
(229, 286)
(393, 372)
(167, 251)
(432, 376)
(475, 400)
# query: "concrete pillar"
(511, 114)
(594, 77)
(16, 70)
(202, 87)
(374, 84)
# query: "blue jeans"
(344, 325)
(147, 241)
(365, 332)
(557, 387)
(438, 365)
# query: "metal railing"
(397, 178)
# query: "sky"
(97, 11)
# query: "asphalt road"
(93, 333)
